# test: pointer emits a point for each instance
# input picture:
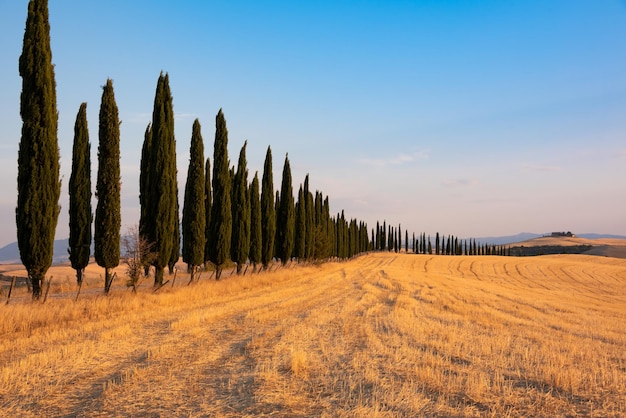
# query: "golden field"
(382, 335)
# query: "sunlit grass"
(381, 335)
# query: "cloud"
(460, 182)
(139, 118)
(400, 159)
(184, 116)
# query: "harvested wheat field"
(381, 335)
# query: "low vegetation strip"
(380, 335)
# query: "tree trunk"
(108, 279)
(79, 276)
(218, 272)
(239, 267)
(36, 282)
(158, 276)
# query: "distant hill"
(525, 236)
(10, 254)
(508, 239)
(602, 245)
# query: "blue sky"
(473, 118)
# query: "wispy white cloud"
(399, 159)
(460, 182)
(184, 116)
(138, 117)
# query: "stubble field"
(380, 335)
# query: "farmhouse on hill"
(562, 234)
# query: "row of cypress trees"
(389, 238)
(224, 218)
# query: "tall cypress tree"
(285, 224)
(38, 185)
(268, 215)
(207, 207)
(221, 214)
(406, 241)
(108, 217)
(163, 189)
(256, 236)
(309, 220)
(194, 212)
(276, 214)
(80, 196)
(175, 254)
(240, 247)
(300, 229)
(327, 228)
(145, 220)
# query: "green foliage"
(38, 182)
(162, 199)
(207, 208)
(221, 214)
(108, 218)
(194, 211)
(240, 247)
(145, 220)
(175, 254)
(285, 217)
(268, 216)
(256, 236)
(300, 228)
(309, 220)
(80, 196)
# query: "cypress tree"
(163, 190)
(309, 220)
(256, 237)
(108, 217)
(240, 247)
(175, 255)
(373, 238)
(398, 240)
(268, 216)
(406, 241)
(144, 184)
(207, 208)
(300, 229)
(80, 196)
(38, 183)
(328, 229)
(285, 218)
(377, 238)
(221, 213)
(194, 212)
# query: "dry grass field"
(383, 335)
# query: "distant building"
(562, 234)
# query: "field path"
(380, 335)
